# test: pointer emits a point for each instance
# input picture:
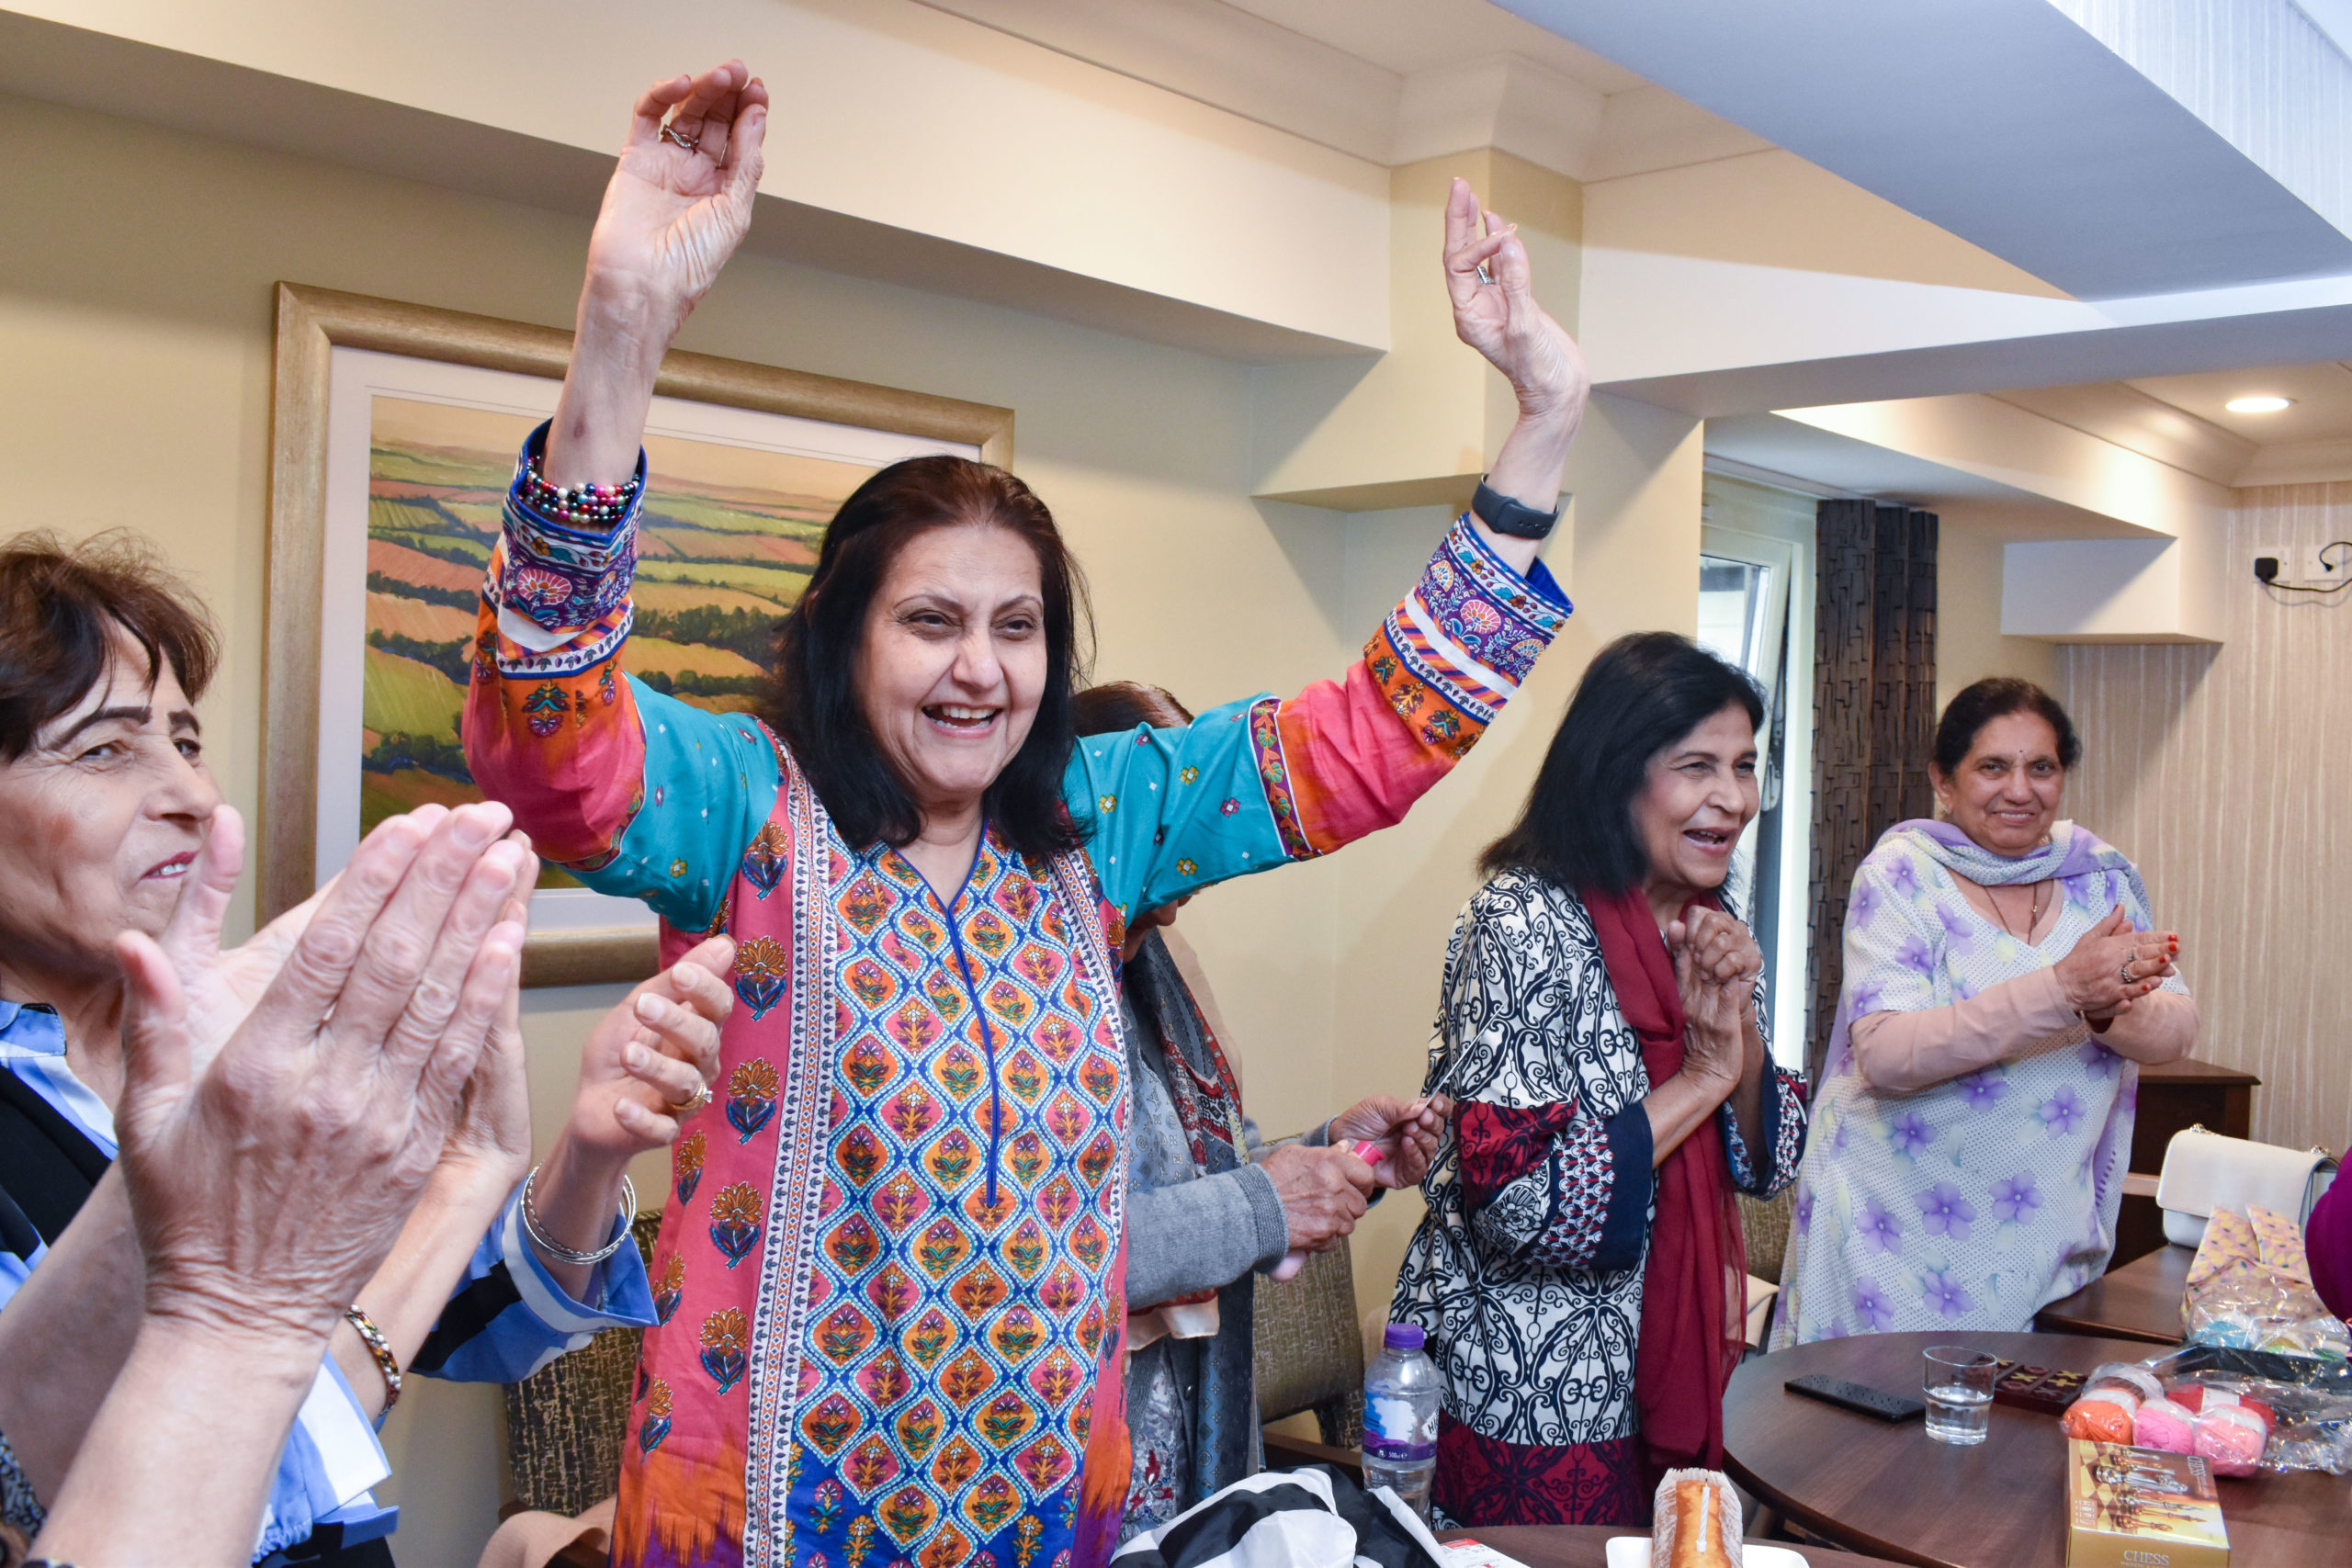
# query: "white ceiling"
(1389, 81)
(1407, 36)
(2182, 421)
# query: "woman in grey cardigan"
(1208, 1202)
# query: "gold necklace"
(2032, 921)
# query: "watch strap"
(1504, 515)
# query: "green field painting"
(730, 535)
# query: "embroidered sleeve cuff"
(1624, 1217)
(1465, 636)
(557, 572)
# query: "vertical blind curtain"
(1874, 712)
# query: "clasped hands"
(2113, 966)
(1717, 962)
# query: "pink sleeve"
(1355, 755)
(1898, 1051)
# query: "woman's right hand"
(1711, 970)
(1322, 1192)
(671, 216)
(2114, 965)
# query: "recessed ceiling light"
(2258, 405)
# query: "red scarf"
(1694, 1287)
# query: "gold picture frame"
(312, 324)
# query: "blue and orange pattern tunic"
(889, 1285)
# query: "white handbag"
(2205, 1171)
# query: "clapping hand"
(2114, 965)
(267, 1188)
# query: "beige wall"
(2220, 770)
(135, 329)
(136, 272)
(1969, 644)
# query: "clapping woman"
(890, 1277)
(1580, 1273)
(2002, 985)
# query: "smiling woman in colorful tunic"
(2002, 986)
(912, 1195)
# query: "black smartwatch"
(1505, 515)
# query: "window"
(1756, 612)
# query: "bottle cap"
(1403, 1337)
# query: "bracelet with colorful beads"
(580, 502)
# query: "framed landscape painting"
(395, 436)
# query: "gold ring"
(677, 138)
(687, 1107)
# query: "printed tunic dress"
(890, 1282)
(1974, 1202)
(1526, 1273)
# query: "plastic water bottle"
(1400, 1398)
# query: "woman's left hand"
(1502, 318)
(1723, 952)
(222, 988)
(488, 1145)
(1406, 1130)
(650, 1057)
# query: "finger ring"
(2125, 972)
(676, 137)
(687, 1107)
(1485, 276)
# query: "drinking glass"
(1959, 1389)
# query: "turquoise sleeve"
(710, 784)
(1169, 811)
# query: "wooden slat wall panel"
(2226, 773)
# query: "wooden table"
(1587, 1546)
(1893, 1492)
(2139, 1300)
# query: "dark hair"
(812, 699)
(1997, 696)
(1117, 707)
(1640, 695)
(61, 607)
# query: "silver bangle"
(563, 1254)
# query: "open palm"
(222, 988)
(680, 198)
(1502, 318)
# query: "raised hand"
(680, 198)
(2112, 967)
(674, 211)
(1500, 317)
(648, 1059)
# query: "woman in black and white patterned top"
(1600, 1007)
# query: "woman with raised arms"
(890, 1283)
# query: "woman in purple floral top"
(2002, 988)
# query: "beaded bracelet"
(563, 1254)
(580, 502)
(380, 1347)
